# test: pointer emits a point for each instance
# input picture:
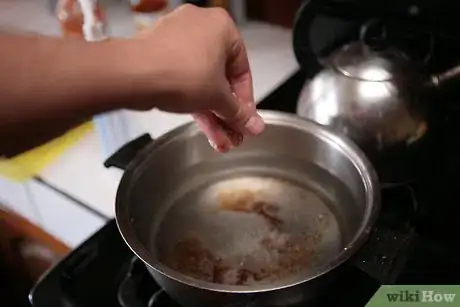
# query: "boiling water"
(252, 220)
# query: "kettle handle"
(373, 34)
(441, 78)
(302, 22)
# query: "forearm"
(49, 85)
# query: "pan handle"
(125, 154)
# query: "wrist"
(118, 79)
(104, 75)
(135, 72)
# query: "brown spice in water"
(192, 259)
(245, 201)
(290, 253)
(241, 200)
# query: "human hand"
(201, 67)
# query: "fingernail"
(223, 148)
(219, 148)
(213, 145)
(255, 125)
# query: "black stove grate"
(138, 288)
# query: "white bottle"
(111, 127)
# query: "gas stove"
(414, 241)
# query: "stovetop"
(414, 242)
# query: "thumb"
(242, 117)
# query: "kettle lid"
(358, 60)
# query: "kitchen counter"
(79, 172)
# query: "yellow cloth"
(30, 163)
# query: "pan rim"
(342, 143)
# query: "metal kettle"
(376, 98)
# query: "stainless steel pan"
(260, 225)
